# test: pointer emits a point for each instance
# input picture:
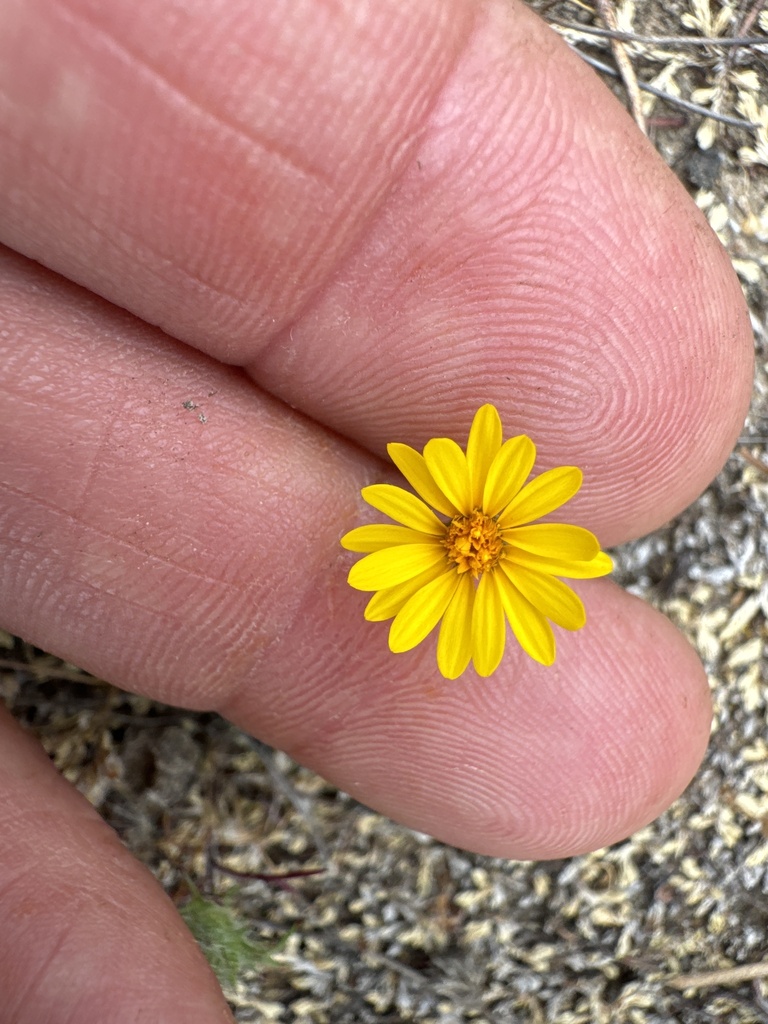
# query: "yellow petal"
(553, 540)
(541, 496)
(508, 472)
(386, 603)
(448, 465)
(600, 565)
(422, 612)
(489, 627)
(552, 597)
(403, 506)
(454, 644)
(483, 444)
(533, 632)
(391, 566)
(381, 535)
(413, 467)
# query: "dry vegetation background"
(340, 916)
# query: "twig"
(277, 878)
(628, 75)
(753, 460)
(747, 22)
(632, 37)
(751, 17)
(694, 108)
(728, 976)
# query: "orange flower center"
(474, 543)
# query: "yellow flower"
(474, 562)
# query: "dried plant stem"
(728, 976)
(633, 37)
(748, 21)
(625, 66)
(694, 108)
(753, 460)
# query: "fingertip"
(560, 271)
(88, 935)
(533, 762)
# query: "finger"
(175, 530)
(465, 216)
(221, 158)
(537, 255)
(88, 935)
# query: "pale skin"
(326, 230)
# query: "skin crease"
(380, 217)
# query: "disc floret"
(474, 543)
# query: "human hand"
(355, 228)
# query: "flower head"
(467, 552)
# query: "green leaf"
(224, 939)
